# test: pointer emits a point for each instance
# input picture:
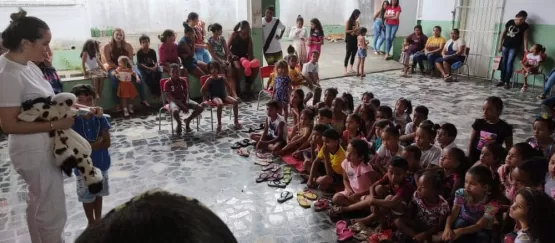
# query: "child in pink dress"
(356, 175)
(316, 38)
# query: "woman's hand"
(63, 124)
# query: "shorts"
(97, 73)
(362, 53)
(272, 58)
(189, 104)
(83, 194)
(191, 65)
(337, 178)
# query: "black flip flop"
(263, 177)
(251, 130)
(284, 196)
(278, 184)
(245, 142)
(236, 145)
(261, 127)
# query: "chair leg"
(258, 103)
(171, 121)
(212, 120)
(198, 123)
(159, 120)
(467, 73)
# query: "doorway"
(477, 21)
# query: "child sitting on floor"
(543, 130)
(365, 100)
(368, 115)
(474, 208)
(384, 112)
(354, 129)
(375, 102)
(535, 212)
(403, 109)
(325, 116)
(390, 147)
(492, 156)
(426, 212)
(424, 139)
(531, 174)
(177, 90)
(274, 136)
(326, 169)
(282, 88)
(412, 154)
(390, 194)
(454, 165)
(339, 117)
(301, 133)
(349, 103)
(296, 105)
(96, 130)
(549, 187)
(315, 143)
(376, 139)
(446, 135)
(420, 114)
(516, 156)
(329, 96)
(217, 89)
(357, 174)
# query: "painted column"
(255, 12)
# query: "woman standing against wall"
(351, 31)
(27, 40)
(391, 17)
(379, 29)
(240, 45)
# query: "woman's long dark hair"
(382, 10)
(317, 26)
(540, 216)
(354, 15)
(241, 25)
(90, 48)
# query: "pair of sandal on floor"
(361, 233)
(273, 177)
(321, 204)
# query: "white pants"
(46, 208)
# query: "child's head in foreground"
(85, 94)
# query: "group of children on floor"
(406, 173)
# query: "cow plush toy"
(70, 149)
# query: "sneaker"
(542, 97)
(125, 112)
(131, 111)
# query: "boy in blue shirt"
(95, 129)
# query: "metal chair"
(457, 66)
(166, 107)
(209, 104)
(534, 74)
(265, 72)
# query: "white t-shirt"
(384, 155)
(310, 67)
(19, 83)
(430, 157)
(90, 63)
(533, 60)
(274, 125)
(456, 44)
(275, 45)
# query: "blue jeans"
(379, 34)
(420, 58)
(202, 55)
(390, 32)
(114, 81)
(549, 83)
(509, 56)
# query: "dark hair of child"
(321, 128)
(375, 102)
(370, 114)
(429, 127)
(415, 151)
(158, 216)
(332, 91)
(214, 65)
(291, 50)
(449, 129)
(540, 216)
(362, 31)
(539, 47)
(281, 64)
(349, 100)
(499, 153)
(383, 123)
(435, 179)
(300, 18)
(300, 106)
(484, 176)
(325, 112)
(394, 131)
(407, 104)
(464, 163)
(361, 126)
(496, 102)
(317, 26)
(90, 48)
(309, 113)
(409, 40)
(83, 89)
(362, 149)
(241, 25)
(369, 95)
(125, 61)
(399, 162)
(332, 134)
(548, 120)
(536, 168)
(174, 66)
(144, 38)
(214, 27)
(166, 35)
(387, 112)
(526, 151)
(422, 110)
(187, 28)
(273, 104)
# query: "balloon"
(254, 63)
(246, 64)
(243, 59)
(248, 72)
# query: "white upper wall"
(407, 19)
(438, 10)
(539, 11)
(329, 12)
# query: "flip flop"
(236, 145)
(277, 184)
(358, 227)
(310, 195)
(302, 201)
(286, 170)
(340, 226)
(286, 179)
(243, 152)
(245, 142)
(251, 130)
(263, 177)
(284, 196)
(321, 205)
(275, 177)
(261, 155)
(261, 162)
(260, 127)
(271, 167)
(345, 235)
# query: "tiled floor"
(203, 166)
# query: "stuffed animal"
(70, 149)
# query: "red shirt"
(405, 190)
(392, 11)
(177, 89)
(168, 53)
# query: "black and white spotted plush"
(70, 149)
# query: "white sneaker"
(131, 109)
(125, 112)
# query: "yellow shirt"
(435, 42)
(335, 159)
(295, 75)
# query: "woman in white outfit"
(27, 40)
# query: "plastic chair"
(457, 66)
(538, 73)
(166, 107)
(211, 105)
(265, 72)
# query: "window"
(419, 9)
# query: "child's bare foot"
(219, 128)
(238, 125)
(363, 221)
